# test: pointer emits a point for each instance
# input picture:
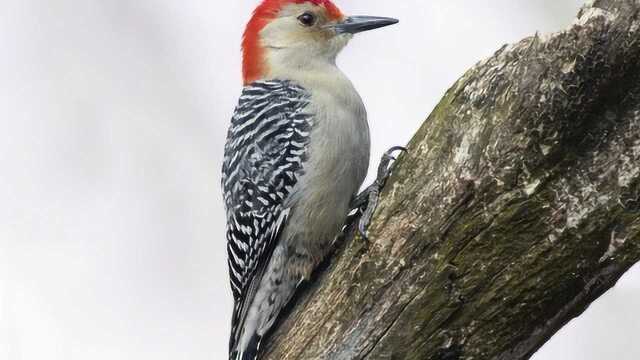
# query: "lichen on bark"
(517, 205)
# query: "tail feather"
(251, 350)
(255, 316)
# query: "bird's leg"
(367, 201)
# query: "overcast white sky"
(113, 115)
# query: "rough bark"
(516, 207)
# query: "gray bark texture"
(517, 205)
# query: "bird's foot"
(367, 201)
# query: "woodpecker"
(297, 152)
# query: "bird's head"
(298, 34)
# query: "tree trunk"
(517, 205)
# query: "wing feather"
(267, 146)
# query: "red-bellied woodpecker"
(297, 152)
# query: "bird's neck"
(310, 73)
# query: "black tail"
(250, 352)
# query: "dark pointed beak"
(356, 24)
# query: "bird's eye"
(307, 19)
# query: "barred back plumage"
(265, 154)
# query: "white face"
(301, 37)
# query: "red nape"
(253, 54)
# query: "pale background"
(113, 115)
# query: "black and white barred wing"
(264, 156)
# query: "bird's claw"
(371, 195)
(384, 169)
(362, 230)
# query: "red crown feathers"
(253, 59)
